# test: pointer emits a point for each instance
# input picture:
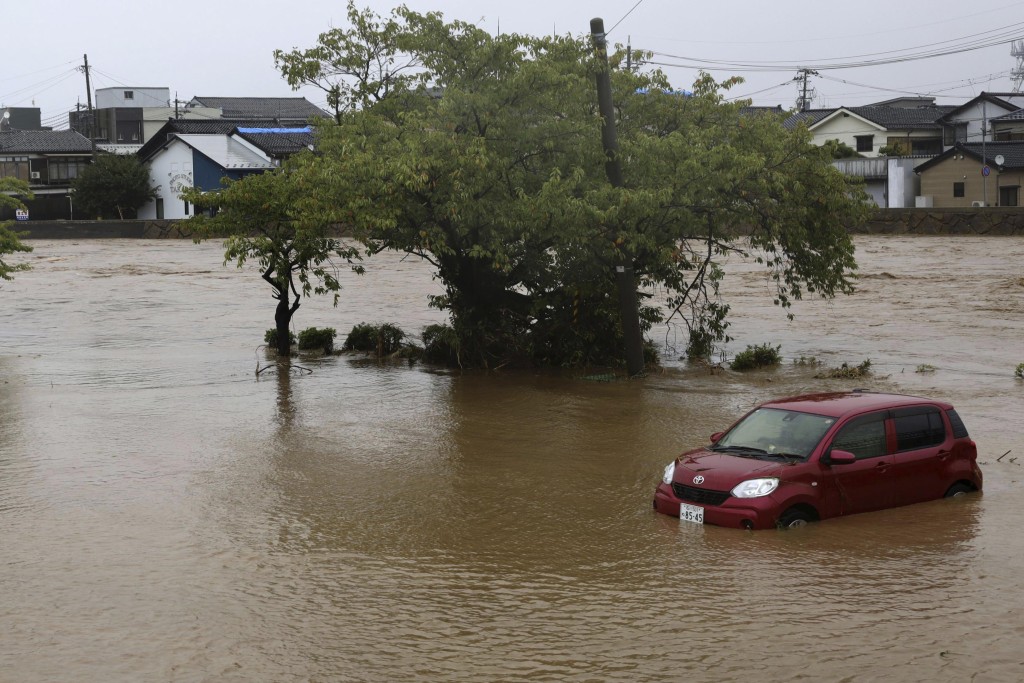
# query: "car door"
(868, 483)
(921, 451)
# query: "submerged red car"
(806, 458)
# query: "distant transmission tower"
(1018, 73)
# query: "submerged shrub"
(753, 357)
(846, 371)
(382, 340)
(271, 337)
(316, 338)
(1019, 371)
(441, 344)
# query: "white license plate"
(691, 513)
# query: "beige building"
(973, 174)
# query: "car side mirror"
(839, 457)
(716, 436)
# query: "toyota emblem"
(698, 480)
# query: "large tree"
(489, 165)
(10, 242)
(113, 185)
(295, 252)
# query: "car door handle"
(944, 454)
(881, 467)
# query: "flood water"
(167, 515)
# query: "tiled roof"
(891, 118)
(808, 118)
(1012, 116)
(44, 142)
(187, 127)
(263, 108)
(279, 142)
(902, 118)
(1012, 153)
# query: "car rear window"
(959, 428)
(918, 428)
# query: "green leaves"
(10, 242)
(482, 154)
(113, 186)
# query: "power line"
(624, 17)
(991, 38)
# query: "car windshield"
(770, 432)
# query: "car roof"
(840, 403)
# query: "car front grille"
(692, 494)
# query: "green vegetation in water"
(807, 361)
(316, 338)
(382, 340)
(271, 337)
(1019, 372)
(925, 368)
(846, 371)
(753, 357)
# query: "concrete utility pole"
(804, 102)
(624, 276)
(88, 99)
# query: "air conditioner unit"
(975, 204)
(34, 175)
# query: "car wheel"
(794, 517)
(958, 490)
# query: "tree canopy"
(112, 186)
(10, 242)
(295, 252)
(487, 162)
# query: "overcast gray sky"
(224, 47)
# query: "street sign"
(985, 170)
(21, 214)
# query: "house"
(267, 111)
(48, 160)
(1008, 127)
(125, 118)
(965, 123)
(213, 150)
(907, 125)
(974, 174)
(21, 118)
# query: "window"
(865, 143)
(1008, 195)
(959, 428)
(64, 169)
(864, 437)
(918, 428)
(14, 167)
(958, 189)
(129, 94)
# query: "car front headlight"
(755, 488)
(670, 469)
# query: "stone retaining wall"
(996, 220)
(987, 221)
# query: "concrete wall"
(990, 221)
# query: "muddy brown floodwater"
(165, 515)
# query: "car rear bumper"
(747, 513)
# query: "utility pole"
(88, 99)
(804, 101)
(984, 158)
(625, 278)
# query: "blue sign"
(21, 214)
(985, 170)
